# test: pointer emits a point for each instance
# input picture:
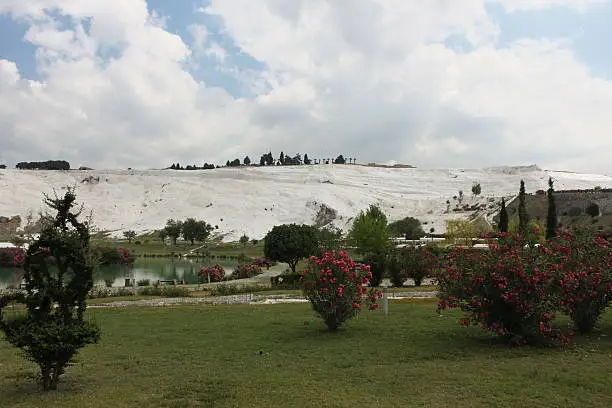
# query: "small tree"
(173, 229)
(522, 211)
(129, 235)
(476, 189)
(551, 219)
(592, 210)
(334, 285)
(290, 242)
(369, 232)
(409, 228)
(247, 161)
(503, 218)
(244, 239)
(162, 234)
(58, 274)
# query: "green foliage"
(286, 281)
(334, 285)
(59, 275)
(411, 262)
(551, 218)
(592, 210)
(227, 289)
(164, 291)
(409, 228)
(173, 229)
(129, 235)
(522, 211)
(369, 232)
(476, 189)
(503, 217)
(244, 239)
(330, 238)
(291, 242)
(194, 230)
(143, 282)
(378, 266)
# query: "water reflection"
(143, 268)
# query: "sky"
(436, 83)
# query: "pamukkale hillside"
(251, 200)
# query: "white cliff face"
(251, 200)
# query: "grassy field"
(280, 356)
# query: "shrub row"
(515, 290)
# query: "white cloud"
(520, 5)
(369, 79)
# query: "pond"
(143, 268)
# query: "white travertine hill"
(251, 200)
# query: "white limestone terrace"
(251, 200)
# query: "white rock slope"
(251, 200)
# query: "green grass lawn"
(280, 356)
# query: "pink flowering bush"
(508, 290)
(582, 263)
(12, 257)
(335, 286)
(246, 271)
(214, 273)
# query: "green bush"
(226, 289)
(143, 282)
(58, 272)
(286, 281)
(164, 291)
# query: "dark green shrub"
(378, 265)
(58, 272)
(227, 289)
(592, 210)
(143, 282)
(286, 281)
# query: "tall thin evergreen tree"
(503, 217)
(551, 219)
(522, 211)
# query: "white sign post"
(385, 286)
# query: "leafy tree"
(195, 230)
(476, 189)
(409, 227)
(551, 219)
(247, 161)
(330, 239)
(340, 160)
(244, 239)
(369, 232)
(522, 211)
(291, 242)
(281, 158)
(58, 271)
(129, 235)
(503, 217)
(163, 234)
(306, 159)
(173, 229)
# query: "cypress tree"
(503, 217)
(551, 219)
(522, 211)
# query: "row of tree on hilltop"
(268, 160)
